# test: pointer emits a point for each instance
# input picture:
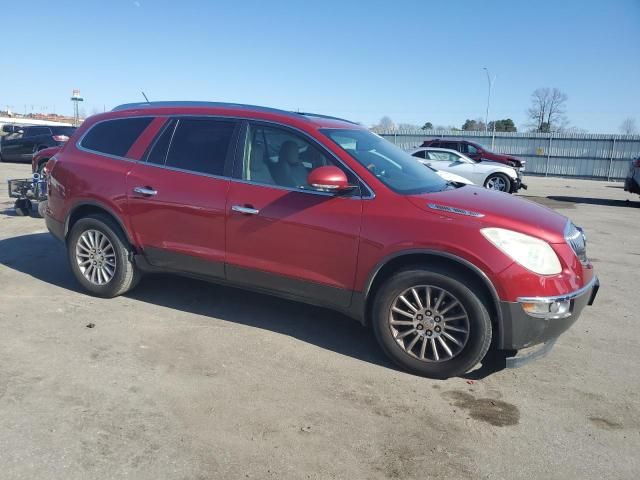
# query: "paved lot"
(185, 380)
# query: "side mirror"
(20, 132)
(328, 178)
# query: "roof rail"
(327, 117)
(173, 104)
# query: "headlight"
(530, 252)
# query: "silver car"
(492, 175)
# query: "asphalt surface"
(181, 379)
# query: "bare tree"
(386, 123)
(628, 126)
(548, 108)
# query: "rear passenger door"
(177, 195)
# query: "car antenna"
(145, 97)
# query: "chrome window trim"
(78, 145)
(560, 298)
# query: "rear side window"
(420, 154)
(115, 137)
(35, 131)
(201, 145)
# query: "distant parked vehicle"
(492, 175)
(23, 141)
(632, 182)
(41, 158)
(475, 151)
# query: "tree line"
(546, 113)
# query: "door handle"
(245, 210)
(145, 191)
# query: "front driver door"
(282, 235)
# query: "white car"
(451, 177)
(492, 175)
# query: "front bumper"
(517, 184)
(523, 330)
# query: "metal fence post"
(546, 168)
(613, 147)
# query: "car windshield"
(398, 170)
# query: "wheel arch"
(88, 207)
(451, 262)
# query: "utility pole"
(490, 81)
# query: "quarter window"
(201, 145)
(115, 137)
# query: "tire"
(422, 360)
(499, 180)
(23, 207)
(41, 210)
(125, 275)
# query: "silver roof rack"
(174, 104)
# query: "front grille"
(576, 238)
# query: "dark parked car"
(319, 210)
(21, 142)
(632, 182)
(475, 151)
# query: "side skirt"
(347, 302)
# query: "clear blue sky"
(415, 61)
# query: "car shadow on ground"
(44, 258)
(607, 202)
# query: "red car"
(319, 210)
(41, 157)
(475, 151)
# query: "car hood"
(495, 209)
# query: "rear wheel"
(100, 257)
(498, 181)
(431, 323)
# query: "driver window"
(274, 156)
(471, 150)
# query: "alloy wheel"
(497, 183)
(96, 257)
(429, 323)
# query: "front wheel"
(431, 323)
(100, 257)
(498, 181)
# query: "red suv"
(475, 151)
(319, 210)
